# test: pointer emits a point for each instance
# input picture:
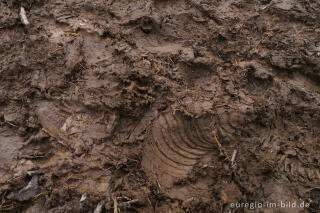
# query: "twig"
(99, 208)
(36, 155)
(150, 203)
(115, 205)
(158, 184)
(11, 124)
(83, 197)
(58, 139)
(233, 157)
(269, 5)
(23, 16)
(128, 203)
(38, 195)
(221, 149)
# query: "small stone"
(278, 61)
(187, 55)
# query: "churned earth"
(159, 105)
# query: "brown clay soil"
(159, 105)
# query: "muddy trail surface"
(159, 106)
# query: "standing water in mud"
(159, 106)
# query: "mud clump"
(159, 106)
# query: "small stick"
(233, 157)
(128, 203)
(220, 147)
(98, 208)
(83, 197)
(115, 205)
(58, 139)
(158, 184)
(11, 124)
(23, 16)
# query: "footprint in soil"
(175, 144)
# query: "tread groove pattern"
(175, 144)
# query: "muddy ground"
(159, 105)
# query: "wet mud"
(159, 105)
